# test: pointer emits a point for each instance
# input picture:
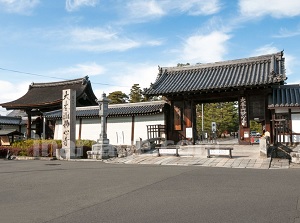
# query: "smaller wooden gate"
(281, 131)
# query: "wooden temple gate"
(248, 81)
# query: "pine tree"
(117, 97)
(135, 94)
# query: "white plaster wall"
(296, 127)
(296, 123)
(141, 122)
(119, 130)
(296, 138)
(90, 129)
(286, 138)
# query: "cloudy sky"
(118, 43)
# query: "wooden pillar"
(80, 128)
(268, 116)
(28, 131)
(132, 130)
(44, 127)
(290, 127)
(273, 135)
(194, 122)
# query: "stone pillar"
(102, 149)
(68, 123)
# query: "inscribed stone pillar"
(68, 123)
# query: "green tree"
(224, 114)
(136, 94)
(183, 64)
(117, 97)
(255, 126)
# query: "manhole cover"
(52, 164)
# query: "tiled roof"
(254, 71)
(10, 132)
(48, 96)
(6, 120)
(127, 109)
(17, 113)
(285, 96)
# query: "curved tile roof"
(128, 109)
(49, 95)
(254, 71)
(7, 120)
(285, 96)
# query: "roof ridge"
(82, 80)
(226, 62)
(137, 103)
(95, 107)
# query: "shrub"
(38, 147)
(3, 151)
(12, 150)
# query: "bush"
(3, 151)
(12, 150)
(86, 146)
(38, 147)
(33, 147)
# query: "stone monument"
(264, 144)
(102, 149)
(68, 124)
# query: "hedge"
(34, 147)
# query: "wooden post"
(132, 130)
(28, 131)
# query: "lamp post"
(102, 149)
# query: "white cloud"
(24, 7)
(125, 75)
(91, 34)
(9, 90)
(144, 10)
(86, 69)
(275, 8)
(98, 40)
(117, 45)
(73, 5)
(266, 49)
(154, 42)
(205, 48)
(197, 7)
(290, 60)
(284, 33)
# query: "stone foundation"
(102, 151)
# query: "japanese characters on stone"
(243, 111)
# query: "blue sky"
(118, 43)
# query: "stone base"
(102, 151)
(264, 146)
(63, 153)
(295, 157)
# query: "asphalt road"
(64, 191)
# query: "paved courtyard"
(243, 156)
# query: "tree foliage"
(183, 64)
(135, 94)
(224, 114)
(117, 97)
